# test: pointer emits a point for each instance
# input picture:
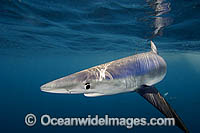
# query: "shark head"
(87, 82)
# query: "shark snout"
(66, 85)
(72, 84)
(52, 88)
(57, 86)
(46, 87)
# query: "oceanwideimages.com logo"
(47, 120)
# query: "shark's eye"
(87, 86)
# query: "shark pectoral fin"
(152, 95)
(93, 94)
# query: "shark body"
(134, 73)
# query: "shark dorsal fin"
(153, 48)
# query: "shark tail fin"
(153, 48)
(152, 95)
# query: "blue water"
(42, 40)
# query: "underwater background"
(42, 40)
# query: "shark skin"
(136, 73)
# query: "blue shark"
(137, 73)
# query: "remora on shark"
(136, 73)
